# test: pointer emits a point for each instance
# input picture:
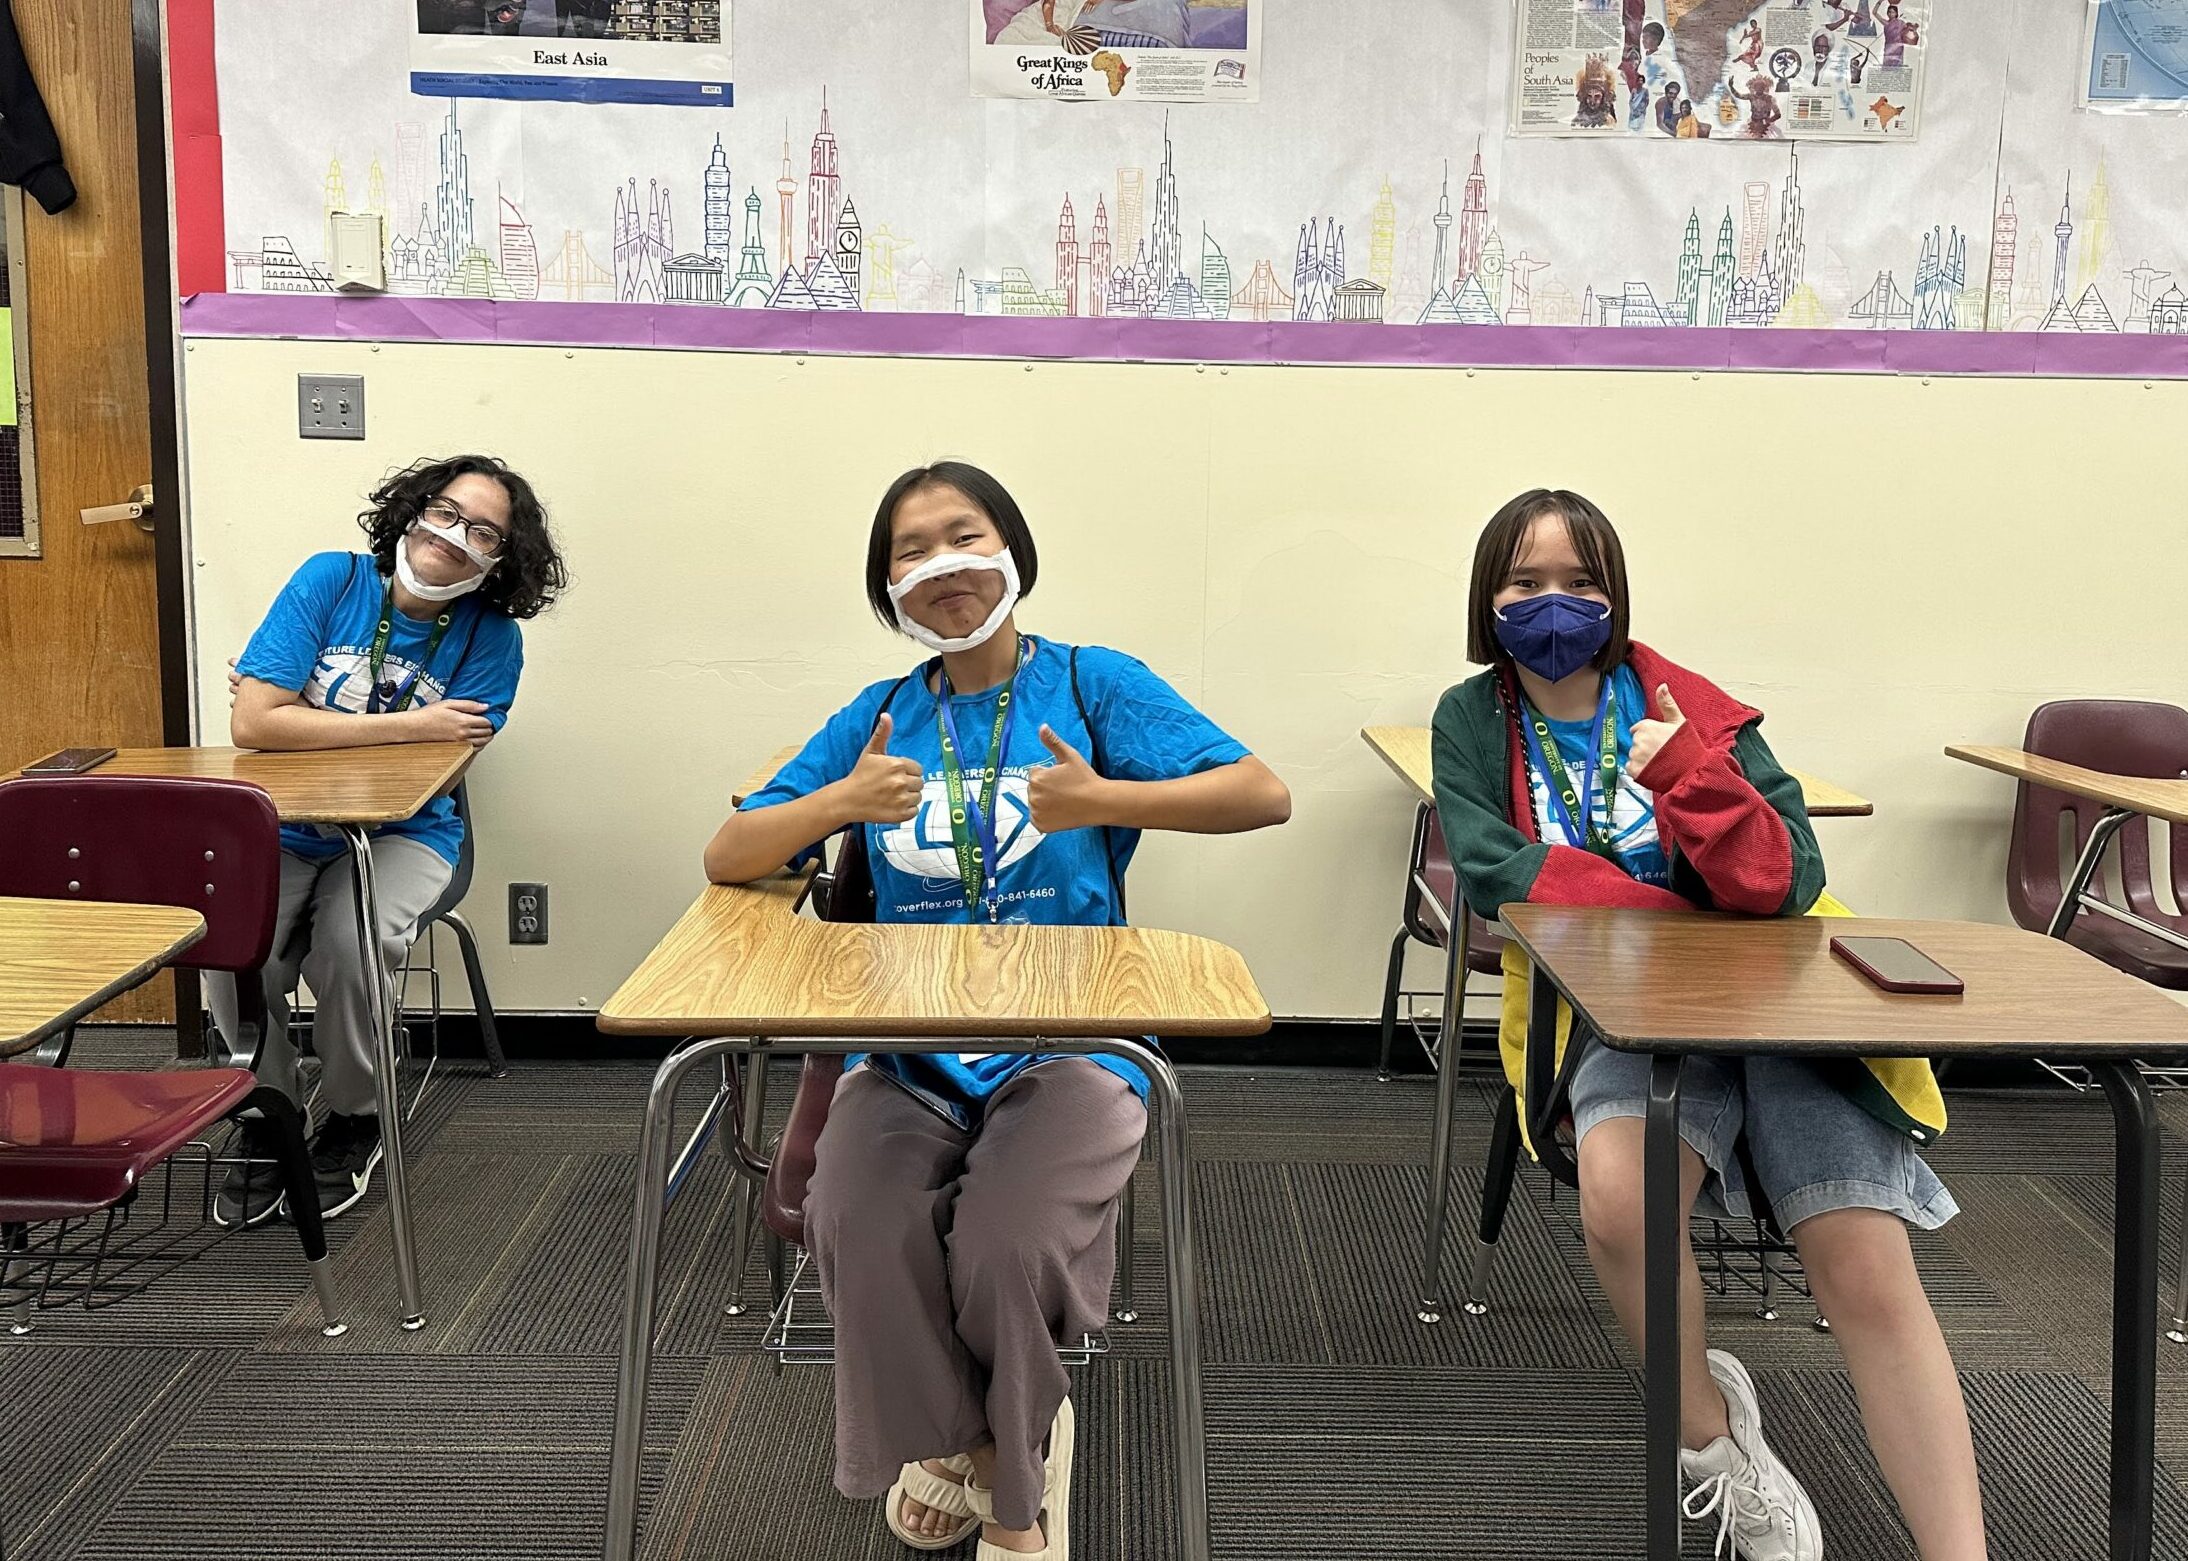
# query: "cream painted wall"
(1884, 565)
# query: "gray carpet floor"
(208, 1418)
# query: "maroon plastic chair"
(790, 1168)
(1431, 879)
(209, 846)
(2118, 737)
(76, 1143)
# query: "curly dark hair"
(530, 574)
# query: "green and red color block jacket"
(1731, 820)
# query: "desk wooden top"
(762, 775)
(1663, 981)
(1405, 750)
(371, 786)
(2166, 799)
(741, 961)
(1824, 799)
(60, 959)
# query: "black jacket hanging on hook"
(30, 153)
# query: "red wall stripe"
(201, 221)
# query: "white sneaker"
(1762, 1512)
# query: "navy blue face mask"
(1554, 635)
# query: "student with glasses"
(418, 637)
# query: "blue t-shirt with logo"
(1143, 730)
(317, 640)
(1633, 814)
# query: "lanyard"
(972, 820)
(402, 695)
(1572, 806)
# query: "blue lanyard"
(1575, 812)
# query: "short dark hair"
(530, 573)
(986, 494)
(1594, 539)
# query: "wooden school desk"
(742, 968)
(761, 776)
(352, 791)
(2123, 797)
(1675, 986)
(1406, 750)
(60, 959)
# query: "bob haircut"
(1498, 550)
(987, 495)
(529, 573)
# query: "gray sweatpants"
(953, 1263)
(315, 935)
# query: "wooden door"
(79, 625)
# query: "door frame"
(163, 347)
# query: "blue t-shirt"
(1633, 814)
(1143, 730)
(317, 640)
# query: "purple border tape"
(376, 317)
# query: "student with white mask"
(418, 637)
(962, 1212)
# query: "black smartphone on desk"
(70, 761)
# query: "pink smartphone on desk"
(1895, 965)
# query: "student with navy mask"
(962, 1212)
(413, 641)
(1585, 769)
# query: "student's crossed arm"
(267, 716)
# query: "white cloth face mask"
(454, 537)
(950, 564)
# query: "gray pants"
(953, 1263)
(315, 935)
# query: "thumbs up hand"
(881, 789)
(1649, 737)
(1067, 793)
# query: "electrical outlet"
(330, 406)
(527, 913)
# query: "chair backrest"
(211, 846)
(459, 881)
(790, 1171)
(1484, 945)
(2119, 737)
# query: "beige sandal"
(1055, 1518)
(948, 1497)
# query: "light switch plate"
(330, 406)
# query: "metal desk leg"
(1660, 1229)
(2178, 1333)
(379, 1006)
(2134, 1306)
(636, 1362)
(2085, 866)
(1127, 1240)
(748, 1191)
(1183, 1273)
(1451, 1028)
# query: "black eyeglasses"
(485, 539)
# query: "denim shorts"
(1814, 1149)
